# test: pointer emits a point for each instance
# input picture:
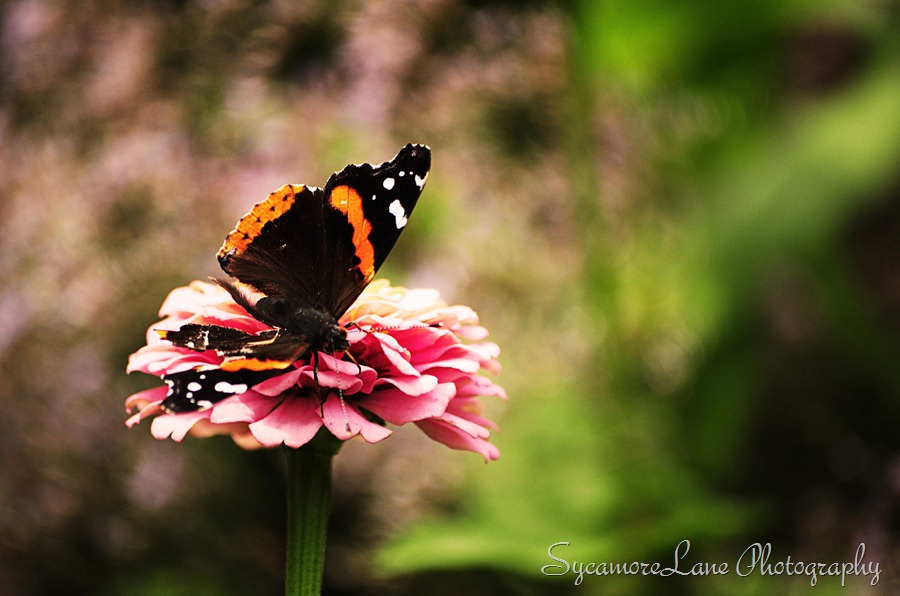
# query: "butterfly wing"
(271, 349)
(193, 390)
(377, 201)
(320, 248)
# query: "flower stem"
(309, 501)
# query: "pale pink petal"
(176, 426)
(472, 333)
(465, 365)
(159, 359)
(465, 413)
(143, 398)
(281, 383)
(411, 385)
(245, 407)
(345, 421)
(349, 377)
(465, 424)
(478, 386)
(189, 298)
(295, 422)
(145, 412)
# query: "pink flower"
(414, 359)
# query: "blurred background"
(680, 221)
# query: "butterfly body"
(299, 259)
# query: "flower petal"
(294, 422)
(345, 421)
(245, 407)
(455, 438)
(142, 399)
(398, 407)
(411, 385)
(478, 386)
(176, 426)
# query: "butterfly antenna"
(379, 328)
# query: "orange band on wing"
(251, 225)
(254, 364)
(347, 201)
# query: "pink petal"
(466, 365)
(295, 422)
(382, 352)
(465, 411)
(466, 424)
(471, 332)
(176, 425)
(454, 438)
(190, 298)
(277, 385)
(349, 377)
(345, 421)
(398, 408)
(146, 397)
(246, 407)
(410, 385)
(478, 386)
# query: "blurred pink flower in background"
(414, 359)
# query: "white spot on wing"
(194, 386)
(402, 174)
(399, 213)
(225, 387)
(389, 183)
(420, 182)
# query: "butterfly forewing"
(377, 202)
(321, 248)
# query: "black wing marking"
(194, 390)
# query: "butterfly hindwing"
(194, 390)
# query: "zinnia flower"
(412, 358)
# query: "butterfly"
(310, 252)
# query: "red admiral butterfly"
(310, 252)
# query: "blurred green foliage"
(680, 221)
(659, 433)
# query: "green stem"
(309, 501)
